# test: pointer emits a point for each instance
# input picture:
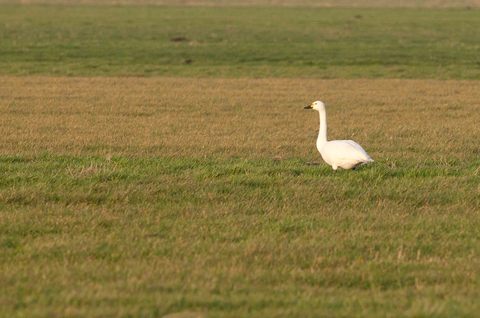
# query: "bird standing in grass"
(345, 154)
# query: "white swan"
(346, 154)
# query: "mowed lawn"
(158, 160)
(142, 197)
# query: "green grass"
(232, 42)
(134, 197)
(131, 197)
(93, 236)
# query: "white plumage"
(346, 154)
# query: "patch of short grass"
(240, 41)
(227, 237)
(147, 196)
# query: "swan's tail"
(368, 159)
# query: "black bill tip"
(308, 107)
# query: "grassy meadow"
(240, 42)
(136, 184)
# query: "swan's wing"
(346, 152)
(361, 152)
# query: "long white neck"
(322, 133)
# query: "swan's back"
(346, 154)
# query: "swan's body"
(346, 154)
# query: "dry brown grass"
(309, 3)
(253, 118)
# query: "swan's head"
(315, 105)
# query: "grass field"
(202, 193)
(246, 42)
(128, 196)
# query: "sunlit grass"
(142, 197)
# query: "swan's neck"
(322, 133)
